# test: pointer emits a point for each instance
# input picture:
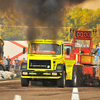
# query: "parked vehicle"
(2, 67)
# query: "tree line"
(77, 18)
(82, 19)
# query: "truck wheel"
(1, 48)
(77, 79)
(61, 82)
(44, 83)
(24, 82)
(99, 83)
(69, 83)
(33, 83)
(74, 78)
(95, 83)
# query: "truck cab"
(45, 62)
(82, 47)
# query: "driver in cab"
(85, 44)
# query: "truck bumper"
(42, 75)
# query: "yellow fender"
(69, 68)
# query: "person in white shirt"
(85, 44)
(5, 62)
(14, 63)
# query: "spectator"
(14, 63)
(8, 63)
(17, 64)
(5, 62)
(24, 61)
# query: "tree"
(11, 20)
(82, 19)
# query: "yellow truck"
(45, 62)
(2, 67)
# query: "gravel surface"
(8, 90)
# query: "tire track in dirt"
(50, 93)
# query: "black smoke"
(40, 13)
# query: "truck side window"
(58, 49)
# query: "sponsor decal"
(37, 65)
(86, 59)
(24, 66)
(69, 65)
(66, 56)
(58, 67)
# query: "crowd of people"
(16, 63)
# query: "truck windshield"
(82, 43)
(35, 48)
(66, 46)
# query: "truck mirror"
(67, 51)
(24, 50)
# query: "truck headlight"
(54, 74)
(48, 66)
(25, 73)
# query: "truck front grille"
(41, 64)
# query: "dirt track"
(10, 89)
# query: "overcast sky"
(94, 4)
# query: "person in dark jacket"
(17, 64)
(5, 62)
(8, 63)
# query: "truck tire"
(74, 77)
(44, 83)
(77, 77)
(99, 83)
(69, 83)
(1, 48)
(24, 82)
(61, 82)
(95, 83)
(33, 83)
